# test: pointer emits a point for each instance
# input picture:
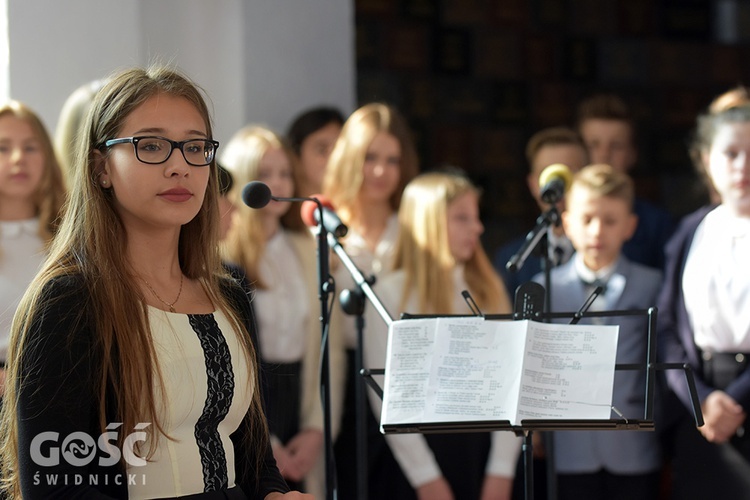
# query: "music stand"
(527, 427)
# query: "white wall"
(205, 41)
(4, 77)
(57, 46)
(258, 60)
(298, 55)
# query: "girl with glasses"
(131, 369)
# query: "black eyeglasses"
(155, 150)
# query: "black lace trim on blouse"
(218, 400)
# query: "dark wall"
(476, 78)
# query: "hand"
(284, 462)
(304, 450)
(497, 488)
(537, 441)
(437, 489)
(722, 416)
(292, 495)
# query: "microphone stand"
(353, 303)
(257, 195)
(548, 219)
(538, 240)
(325, 282)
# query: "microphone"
(257, 194)
(554, 181)
(331, 222)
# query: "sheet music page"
(407, 368)
(476, 370)
(568, 371)
(455, 369)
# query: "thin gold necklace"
(170, 306)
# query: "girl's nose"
(16, 155)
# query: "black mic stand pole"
(325, 281)
(547, 437)
(537, 240)
(353, 303)
(547, 219)
(257, 195)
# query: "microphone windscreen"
(556, 171)
(256, 194)
(308, 208)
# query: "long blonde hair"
(343, 178)
(423, 250)
(246, 241)
(50, 194)
(91, 244)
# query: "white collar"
(730, 224)
(589, 276)
(15, 228)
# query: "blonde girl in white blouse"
(31, 194)
(280, 266)
(438, 255)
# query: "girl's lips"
(176, 195)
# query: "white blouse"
(206, 396)
(369, 263)
(282, 309)
(715, 283)
(21, 257)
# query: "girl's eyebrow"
(157, 130)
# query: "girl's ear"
(101, 169)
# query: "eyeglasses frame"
(174, 144)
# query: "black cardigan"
(57, 394)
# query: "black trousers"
(604, 485)
(462, 458)
(282, 395)
(384, 478)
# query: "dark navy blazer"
(676, 344)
